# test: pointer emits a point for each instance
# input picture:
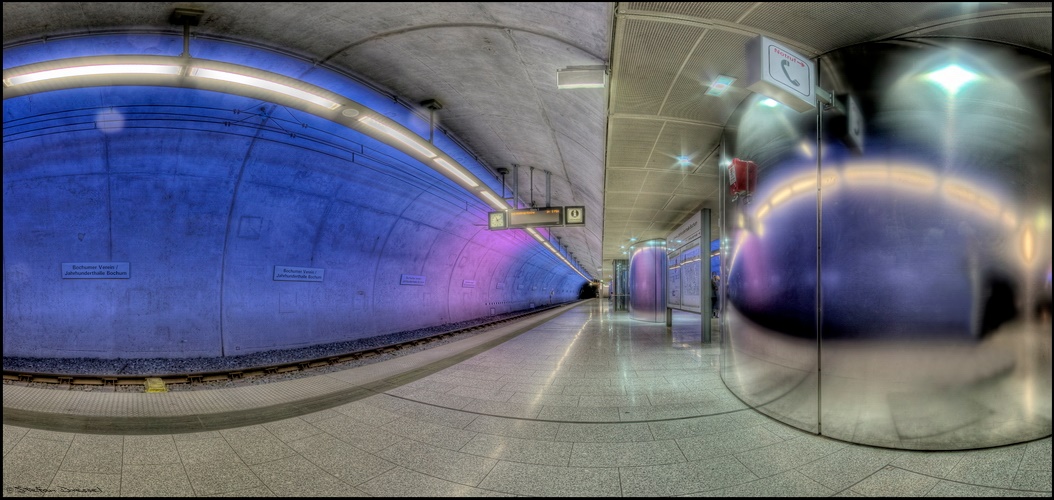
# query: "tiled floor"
(590, 403)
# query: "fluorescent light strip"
(264, 84)
(498, 204)
(454, 170)
(100, 69)
(175, 70)
(398, 135)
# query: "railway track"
(201, 378)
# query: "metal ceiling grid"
(726, 11)
(650, 56)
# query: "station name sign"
(95, 270)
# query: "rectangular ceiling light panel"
(592, 78)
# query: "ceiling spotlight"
(684, 160)
(951, 78)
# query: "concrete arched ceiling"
(492, 65)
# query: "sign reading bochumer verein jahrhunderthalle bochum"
(95, 270)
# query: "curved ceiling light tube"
(204, 74)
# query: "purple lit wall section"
(647, 281)
(203, 194)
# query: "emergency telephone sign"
(782, 74)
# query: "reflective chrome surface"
(647, 281)
(918, 315)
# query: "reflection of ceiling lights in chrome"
(951, 78)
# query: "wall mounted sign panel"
(779, 72)
(575, 216)
(536, 217)
(411, 279)
(289, 273)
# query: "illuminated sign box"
(540, 217)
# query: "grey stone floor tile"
(453, 466)
(291, 429)
(400, 482)
(500, 395)
(893, 481)
(544, 399)
(550, 481)
(847, 466)
(32, 463)
(532, 388)
(604, 433)
(260, 491)
(84, 484)
(625, 454)
(465, 382)
(349, 430)
(346, 462)
(442, 399)
(296, 476)
(579, 414)
(12, 435)
(788, 455)
(433, 434)
(94, 453)
(593, 390)
(513, 427)
(380, 401)
(728, 443)
(150, 450)
(63, 437)
(514, 449)
(1032, 479)
(956, 489)
(190, 436)
(587, 400)
(683, 478)
(502, 409)
(311, 418)
(211, 478)
(213, 450)
(255, 444)
(929, 463)
(786, 484)
(154, 480)
(437, 415)
(994, 467)
(1037, 455)
(690, 427)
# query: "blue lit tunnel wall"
(892, 287)
(205, 194)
